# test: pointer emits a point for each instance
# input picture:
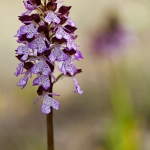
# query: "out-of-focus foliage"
(113, 113)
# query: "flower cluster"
(47, 39)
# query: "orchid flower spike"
(47, 38)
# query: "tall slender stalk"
(50, 134)
(48, 27)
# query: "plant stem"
(50, 136)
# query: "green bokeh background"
(113, 113)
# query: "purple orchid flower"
(47, 39)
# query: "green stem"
(38, 9)
(58, 77)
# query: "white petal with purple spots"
(41, 66)
(52, 17)
(61, 33)
(30, 30)
(67, 66)
(47, 103)
(23, 50)
(57, 54)
(23, 81)
(42, 80)
(71, 44)
(19, 69)
(39, 44)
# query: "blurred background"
(113, 113)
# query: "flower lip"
(57, 54)
(23, 81)
(30, 30)
(42, 81)
(49, 102)
(39, 44)
(41, 67)
(52, 17)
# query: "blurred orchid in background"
(113, 37)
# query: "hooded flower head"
(47, 41)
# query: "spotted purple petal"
(23, 50)
(28, 5)
(71, 44)
(19, 69)
(52, 17)
(61, 33)
(41, 66)
(42, 80)
(72, 23)
(78, 55)
(30, 30)
(39, 44)
(77, 87)
(18, 33)
(57, 54)
(67, 66)
(23, 81)
(47, 103)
